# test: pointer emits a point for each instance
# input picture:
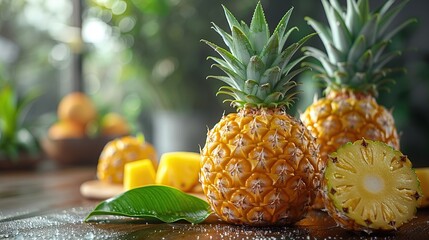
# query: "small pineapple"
(120, 151)
(259, 166)
(353, 68)
(367, 186)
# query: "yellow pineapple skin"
(260, 167)
(344, 116)
(120, 151)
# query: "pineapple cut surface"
(179, 170)
(138, 173)
(423, 175)
(370, 186)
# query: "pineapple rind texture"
(342, 118)
(368, 186)
(260, 167)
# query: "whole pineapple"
(259, 166)
(353, 68)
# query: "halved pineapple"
(120, 151)
(370, 186)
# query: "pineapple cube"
(138, 173)
(179, 170)
(423, 175)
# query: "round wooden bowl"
(75, 151)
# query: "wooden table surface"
(48, 205)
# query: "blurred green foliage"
(15, 137)
(162, 39)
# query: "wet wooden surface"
(48, 205)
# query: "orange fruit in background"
(114, 124)
(77, 107)
(66, 129)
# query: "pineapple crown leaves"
(259, 70)
(355, 39)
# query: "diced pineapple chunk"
(423, 175)
(179, 170)
(138, 173)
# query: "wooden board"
(96, 189)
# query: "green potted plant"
(19, 148)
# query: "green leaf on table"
(161, 202)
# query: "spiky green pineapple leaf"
(369, 30)
(256, 61)
(386, 58)
(256, 68)
(226, 80)
(340, 34)
(322, 31)
(270, 50)
(242, 45)
(399, 28)
(363, 6)
(336, 55)
(232, 21)
(271, 75)
(285, 84)
(378, 49)
(231, 74)
(293, 64)
(357, 49)
(234, 63)
(353, 21)
(284, 58)
(364, 62)
(227, 38)
(259, 29)
(354, 39)
(282, 27)
(387, 15)
(250, 86)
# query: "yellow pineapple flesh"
(139, 173)
(179, 170)
(423, 175)
(368, 186)
(260, 167)
(120, 151)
